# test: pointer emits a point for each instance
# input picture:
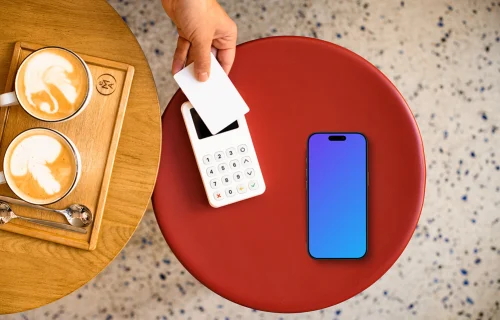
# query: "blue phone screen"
(337, 195)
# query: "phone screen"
(337, 195)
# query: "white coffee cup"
(41, 166)
(52, 84)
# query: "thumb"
(200, 51)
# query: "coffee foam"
(52, 83)
(41, 166)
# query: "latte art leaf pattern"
(50, 84)
(41, 173)
(32, 157)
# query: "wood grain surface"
(36, 272)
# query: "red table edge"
(422, 188)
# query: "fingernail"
(203, 76)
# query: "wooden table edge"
(158, 116)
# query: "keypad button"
(215, 183)
(219, 156)
(226, 180)
(238, 176)
(249, 173)
(246, 161)
(242, 188)
(223, 167)
(208, 159)
(253, 185)
(231, 152)
(234, 164)
(211, 171)
(242, 148)
(230, 192)
(218, 195)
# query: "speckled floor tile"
(444, 56)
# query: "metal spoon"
(6, 214)
(77, 215)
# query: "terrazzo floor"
(444, 56)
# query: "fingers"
(214, 51)
(226, 58)
(180, 55)
(185, 53)
(225, 41)
(200, 54)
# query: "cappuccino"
(52, 84)
(41, 166)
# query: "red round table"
(254, 252)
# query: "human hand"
(203, 27)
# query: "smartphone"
(337, 189)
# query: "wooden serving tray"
(95, 132)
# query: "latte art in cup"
(52, 84)
(40, 166)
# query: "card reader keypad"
(230, 172)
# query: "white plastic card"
(227, 162)
(216, 100)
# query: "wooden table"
(36, 272)
(254, 252)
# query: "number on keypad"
(234, 164)
(214, 183)
(219, 156)
(231, 152)
(207, 159)
(230, 191)
(222, 167)
(238, 176)
(226, 180)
